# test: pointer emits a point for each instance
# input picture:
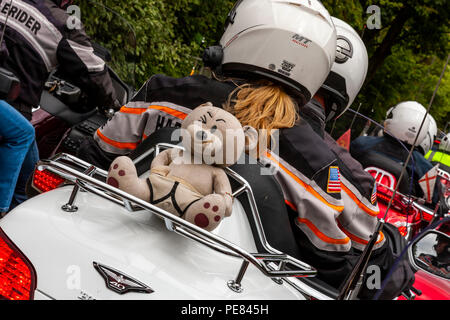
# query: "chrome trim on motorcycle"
(62, 164)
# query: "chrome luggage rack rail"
(273, 264)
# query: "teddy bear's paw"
(121, 172)
(207, 213)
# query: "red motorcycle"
(411, 216)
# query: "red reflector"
(46, 180)
(17, 275)
(403, 231)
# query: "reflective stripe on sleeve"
(358, 239)
(321, 235)
(86, 54)
(170, 111)
(117, 144)
(359, 203)
(304, 185)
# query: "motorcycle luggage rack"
(273, 264)
(412, 200)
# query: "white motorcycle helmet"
(427, 143)
(404, 120)
(445, 143)
(348, 72)
(291, 42)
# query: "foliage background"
(406, 55)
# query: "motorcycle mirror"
(431, 253)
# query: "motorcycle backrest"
(382, 177)
(387, 169)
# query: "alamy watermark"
(374, 20)
(73, 281)
(374, 277)
(74, 20)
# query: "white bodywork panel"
(63, 246)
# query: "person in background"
(441, 156)
(428, 143)
(439, 263)
(359, 218)
(401, 128)
(38, 40)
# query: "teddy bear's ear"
(206, 104)
(251, 139)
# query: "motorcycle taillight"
(17, 274)
(45, 180)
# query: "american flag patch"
(334, 180)
(373, 198)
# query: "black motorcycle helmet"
(63, 4)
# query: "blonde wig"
(263, 106)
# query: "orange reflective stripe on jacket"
(133, 110)
(291, 205)
(306, 186)
(117, 144)
(358, 202)
(139, 111)
(321, 235)
(172, 112)
(358, 239)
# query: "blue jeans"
(16, 140)
(29, 163)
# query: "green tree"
(406, 55)
(168, 33)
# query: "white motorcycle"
(85, 239)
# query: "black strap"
(170, 195)
(190, 204)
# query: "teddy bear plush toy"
(190, 182)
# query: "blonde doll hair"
(263, 106)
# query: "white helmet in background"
(403, 122)
(348, 72)
(445, 143)
(290, 42)
(427, 143)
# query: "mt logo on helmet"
(301, 40)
